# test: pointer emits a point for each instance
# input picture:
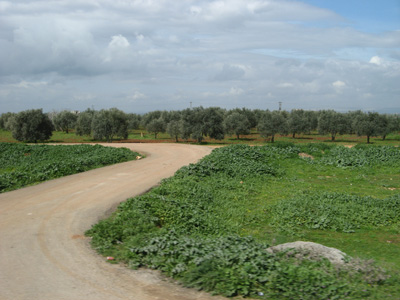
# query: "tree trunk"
(272, 138)
(294, 135)
(238, 136)
(367, 139)
(333, 138)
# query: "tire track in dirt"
(43, 252)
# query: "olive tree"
(237, 123)
(333, 122)
(366, 124)
(156, 126)
(298, 122)
(134, 121)
(385, 125)
(174, 129)
(272, 123)
(108, 124)
(150, 116)
(84, 122)
(212, 123)
(65, 120)
(192, 124)
(32, 126)
(6, 120)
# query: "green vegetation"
(23, 165)
(201, 125)
(338, 212)
(209, 225)
(254, 138)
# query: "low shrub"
(23, 164)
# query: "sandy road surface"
(43, 253)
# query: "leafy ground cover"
(22, 164)
(209, 225)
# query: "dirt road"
(43, 253)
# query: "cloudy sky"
(145, 55)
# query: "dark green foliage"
(84, 122)
(362, 156)
(273, 123)
(156, 126)
(212, 123)
(338, 212)
(174, 129)
(22, 165)
(31, 126)
(367, 124)
(235, 161)
(232, 265)
(333, 122)
(191, 228)
(108, 124)
(200, 122)
(134, 121)
(6, 120)
(65, 120)
(298, 122)
(237, 123)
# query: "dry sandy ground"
(43, 253)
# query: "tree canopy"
(65, 120)
(32, 126)
(108, 124)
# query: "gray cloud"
(145, 55)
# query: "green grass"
(254, 138)
(228, 200)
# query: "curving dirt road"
(43, 253)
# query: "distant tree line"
(198, 123)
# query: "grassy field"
(208, 225)
(252, 139)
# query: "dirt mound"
(303, 155)
(313, 251)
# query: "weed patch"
(337, 212)
(23, 164)
(195, 226)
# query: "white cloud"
(29, 84)
(118, 42)
(235, 91)
(118, 49)
(376, 60)
(339, 84)
(84, 97)
(136, 96)
(285, 85)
